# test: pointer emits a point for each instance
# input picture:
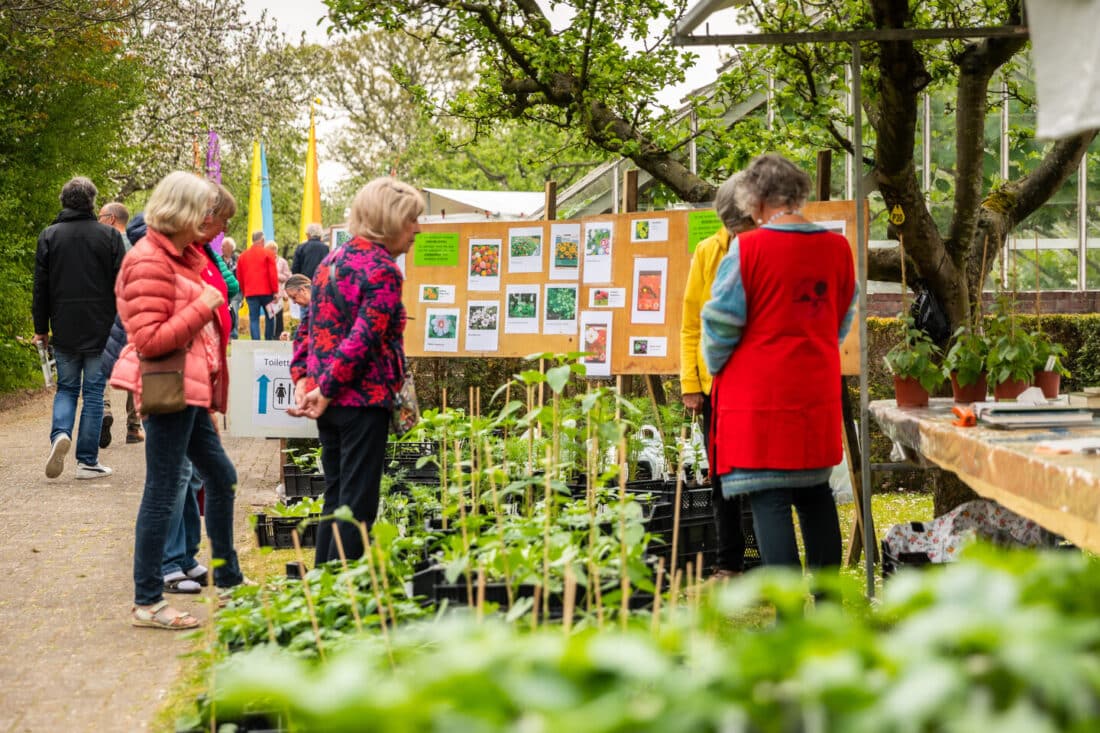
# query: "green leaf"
(557, 377)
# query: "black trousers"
(727, 512)
(353, 452)
(817, 518)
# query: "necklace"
(778, 214)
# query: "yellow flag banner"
(311, 191)
(255, 196)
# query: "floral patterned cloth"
(357, 325)
(943, 537)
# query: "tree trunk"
(948, 492)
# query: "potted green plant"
(1010, 363)
(1049, 368)
(964, 364)
(913, 364)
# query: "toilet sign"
(261, 392)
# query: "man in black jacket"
(75, 267)
(310, 252)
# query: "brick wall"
(888, 305)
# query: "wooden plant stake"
(624, 576)
(530, 454)
(387, 597)
(352, 598)
(1038, 310)
(504, 444)
(480, 592)
(569, 599)
(698, 578)
(674, 588)
(689, 580)
(981, 282)
(904, 284)
(655, 620)
(309, 597)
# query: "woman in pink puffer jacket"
(165, 306)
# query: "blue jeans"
(771, 519)
(185, 527)
(79, 375)
(256, 305)
(353, 449)
(169, 440)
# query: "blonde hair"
(179, 205)
(382, 208)
(225, 206)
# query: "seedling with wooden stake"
(655, 620)
(309, 597)
(462, 525)
(535, 608)
(500, 528)
(374, 584)
(443, 483)
(676, 508)
(624, 576)
(546, 542)
(480, 593)
(347, 579)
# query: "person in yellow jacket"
(695, 380)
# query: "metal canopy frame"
(853, 38)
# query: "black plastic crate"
(752, 556)
(276, 531)
(411, 451)
(307, 485)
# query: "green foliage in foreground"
(1000, 641)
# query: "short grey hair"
(771, 181)
(314, 231)
(79, 193)
(257, 235)
(733, 218)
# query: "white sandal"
(157, 617)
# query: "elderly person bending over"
(783, 300)
(166, 307)
(357, 354)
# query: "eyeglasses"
(106, 216)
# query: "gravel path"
(72, 660)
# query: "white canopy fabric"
(1067, 65)
(494, 204)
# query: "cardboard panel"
(643, 243)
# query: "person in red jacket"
(166, 306)
(782, 301)
(259, 281)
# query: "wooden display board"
(643, 246)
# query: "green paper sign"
(701, 224)
(436, 249)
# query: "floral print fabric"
(943, 537)
(357, 325)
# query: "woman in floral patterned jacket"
(357, 355)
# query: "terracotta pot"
(975, 392)
(909, 393)
(1010, 389)
(1049, 382)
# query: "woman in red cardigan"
(782, 301)
(166, 306)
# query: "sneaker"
(55, 464)
(84, 471)
(135, 436)
(105, 431)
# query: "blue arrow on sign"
(262, 407)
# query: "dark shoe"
(135, 436)
(105, 431)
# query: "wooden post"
(656, 392)
(630, 191)
(855, 472)
(550, 205)
(823, 185)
